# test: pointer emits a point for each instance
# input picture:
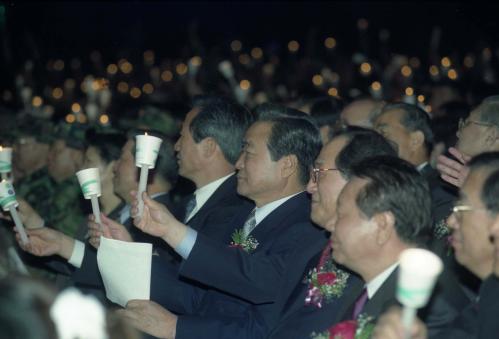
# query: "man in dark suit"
(301, 316)
(383, 210)
(207, 149)
(473, 221)
(408, 127)
(269, 248)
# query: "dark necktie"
(359, 304)
(189, 207)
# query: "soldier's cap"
(73, 134)
(40, 129)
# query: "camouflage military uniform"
(37, 189)
(66, 210)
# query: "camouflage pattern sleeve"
(66, 212)
(38, 190)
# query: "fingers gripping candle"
(146, 153)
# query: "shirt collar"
(421, 166)
(202, 194)
(374, 285)
(263, 211)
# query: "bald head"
(360, 112)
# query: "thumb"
(148, 201)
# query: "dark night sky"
(158, 24)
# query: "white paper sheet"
(125, 268)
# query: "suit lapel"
(226, 189)
(295, 208)
(383, 297)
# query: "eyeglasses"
(315, 173)
(463, 123)
(462, 208)
(465, 208)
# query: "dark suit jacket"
(219, 210)
(249, 289)
(442, 197)
(88, 274)
(488, 326)
(215, 220)
(299, 320)
(444, 305)
(478, 319)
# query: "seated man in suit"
(477, 134)
(308, 308)
(383, 210)
(408, 127)
(269, 249)
(207, 149)
(473, 221)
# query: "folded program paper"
(125, 268)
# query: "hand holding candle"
(419, 270)
(146, 153)
(9, 203)
(89, 180)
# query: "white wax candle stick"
(18, 263)
(19, 225)
(408, 314)
(96, 209)
(144, 172)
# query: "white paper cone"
(419, 270)
(89, 180)
(146, 151)
(5, 159)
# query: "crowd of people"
(284, 191)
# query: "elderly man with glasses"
(477, 134)
(473, 219)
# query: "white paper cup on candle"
(9, 203)
(147, 149)
(7, 196)
(418, 272)
(5, 159)
(89, 180)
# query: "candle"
(5, 161)
(146, 153)
(89, 180)
(409, 97)
(9, 203)
(418, 273)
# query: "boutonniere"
(326, 281)
(245, 242)
(443, 231)
(361, 328)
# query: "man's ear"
(385, 222)
(417, 139)
(209, 147)
(492, 136)
(289, 165)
